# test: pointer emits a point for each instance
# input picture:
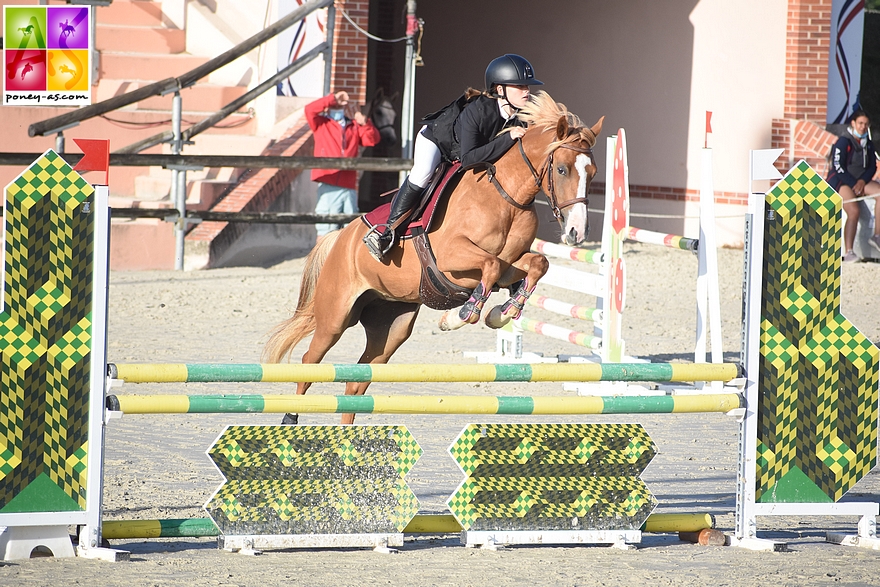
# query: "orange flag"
(96, 156)
(708, 129)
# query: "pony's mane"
(543, 112)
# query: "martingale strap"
(490, 173)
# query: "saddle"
(435, 290)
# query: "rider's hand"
(517, 132)
(360, 118)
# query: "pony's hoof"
(290, 419)
(497, 318)
(450, 321)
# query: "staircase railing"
(62, 122)
(176, 136)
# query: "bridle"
(550, 192)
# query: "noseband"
(555, 205)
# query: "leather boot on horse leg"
(536, 266)
(529, 268)
(490, 270)
(406, 199)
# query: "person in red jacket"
(337, 135)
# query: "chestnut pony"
(480, 237)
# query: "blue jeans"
(333, 199)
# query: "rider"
(471, 137)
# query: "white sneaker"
(850, 257)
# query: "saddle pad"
(420, 219)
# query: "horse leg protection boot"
(470, 311)
(407, 198)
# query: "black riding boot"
(407, 198)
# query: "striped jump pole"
(420, 524)
(558, 251)
(419, 373)
(565, 309)
(559, 333)
(508, 346)
(671, 241)
(424, 404)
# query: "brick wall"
(654, 192)
(349, 71)
(806, 60)
(802, 130)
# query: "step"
(117, 201)
(144, 12)
(201, 98)
(150, 188)
(202, 194)
(139, 39)
(145, 66)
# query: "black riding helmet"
(510, 69)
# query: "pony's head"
(569, 167)
(381, 111)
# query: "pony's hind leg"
(337, 315)
(387, 325)
(314, 354)
(535, 267)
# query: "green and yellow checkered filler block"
(314, 480)
(542, 477)
(45, 339)
(817, 430)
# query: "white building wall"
(653, 68)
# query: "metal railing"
(240, 161)
(175, 84)
(178, 137)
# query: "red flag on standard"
(96, 156)
(708, 129)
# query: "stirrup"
(373, 241)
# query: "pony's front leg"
(468, 257)
(535, 267)
(469, 313)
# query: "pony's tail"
(289, 333)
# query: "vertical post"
(409, 78)
(328, 53)
(178, 191)
(95, 55)
(90, 535)
(708, 295)
(59, 143)
(180, 235)
(746, 523)
(613, 267)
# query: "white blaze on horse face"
(576, 222)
